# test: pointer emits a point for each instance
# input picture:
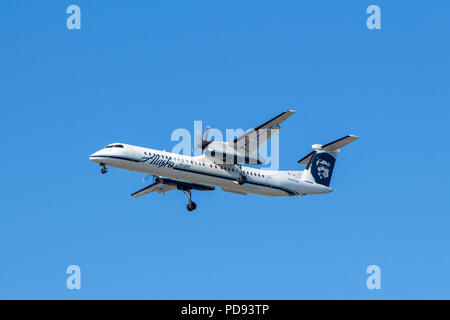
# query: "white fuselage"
(202, 170)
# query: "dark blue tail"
(321, 167)
(320, 162)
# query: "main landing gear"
(191, 204)
(242, 178)
(104, 169)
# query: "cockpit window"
(114, 146)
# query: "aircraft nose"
(92, 157)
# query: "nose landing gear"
(191, 204)
(104, 169)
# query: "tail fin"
(320, 162)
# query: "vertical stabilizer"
(320, 162)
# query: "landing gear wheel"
(191, 206)
(241, 179)
(104, 169)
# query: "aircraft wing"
(157, 186)
(163, 185)
(253, 139)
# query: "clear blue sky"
(136, 71)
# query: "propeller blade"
(199, 139)
(203, 141)
(205, 135)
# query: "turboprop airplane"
(221, 165)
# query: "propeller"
(203, 142)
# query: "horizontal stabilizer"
(339, 143)
(329, 147)
(306, 158)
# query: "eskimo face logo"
(323, 169)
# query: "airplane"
(221, 165)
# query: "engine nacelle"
(221, 153)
